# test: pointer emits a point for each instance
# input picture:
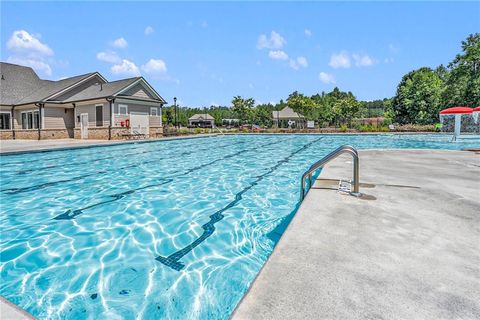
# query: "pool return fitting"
(322, 162)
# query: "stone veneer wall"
(93, 133)
(156, 132)
(32, 134)
(29, 134)
(46, 134)
(6, 135)
(99, 133)
(117, 133)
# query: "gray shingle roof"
(16, 83)
(286, 113)
(201, 116)
(21, 85)
(102, 91)
(49, 88)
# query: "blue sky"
(206, 52)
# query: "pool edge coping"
(18, 312)
(101, 144)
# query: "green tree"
(463, 84)
(346, 108)
(301, 104)
(243, 108)
(418, 97)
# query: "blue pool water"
(173, 229)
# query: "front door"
(84, 125)
(139, 123)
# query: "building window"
(122, 109)
(153, 111)
(99, 115)
(4, 121)
(30, 120)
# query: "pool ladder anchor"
(322, 162)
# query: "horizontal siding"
(79, 88)
(154, 121)
(90, 110)
(138, 91)
(58, 118)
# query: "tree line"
(419, 97)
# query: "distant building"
(287, 118)
(201, 120)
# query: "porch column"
(12, 115)
(39, 119)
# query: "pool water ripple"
(82, 230)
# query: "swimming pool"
(172, 229)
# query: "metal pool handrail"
(332, 155)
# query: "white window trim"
(103, 120)
(123, 106)
(154, 109)
(33, 118)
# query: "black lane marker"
(92, 161)
(78, 178)
(71, 214)
(172, 260)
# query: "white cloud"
(326, 78)
(126, 68)
(37, 65)
(276, 41)
(362, 60)
(23, 42)
(120, 43)
(28, 50)
(344, 60)
(204, 24)
(109, 56)
(340, 60)
(299, 62)
(308, 32)
(149, 30)
(388, 60)
(155, 66)
(277, 55)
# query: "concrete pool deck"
(408, 249)
(9, 311)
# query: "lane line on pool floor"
(172, 260)
(71, 214)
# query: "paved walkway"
(409, 249)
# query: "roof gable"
(201, 116)
(140, 89)
(286, 113)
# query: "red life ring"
(127, 123)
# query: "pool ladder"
(321, 163)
